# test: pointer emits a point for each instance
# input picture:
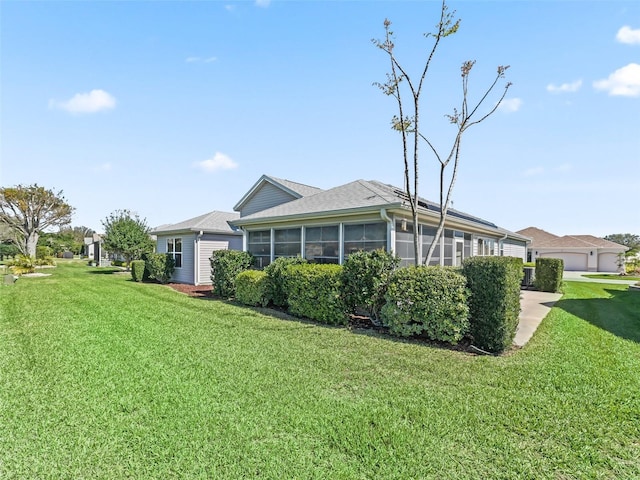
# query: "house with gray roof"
(192, 242)
(280, 218)
(584, 253)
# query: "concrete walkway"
(534, 306)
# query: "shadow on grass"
(618, 314)
(105, 271)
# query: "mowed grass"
(101, 377)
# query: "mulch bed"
(193, 290)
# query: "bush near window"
(252, 288)
(427, 300)
(225, 267)
(275, 271)
(365, 276)
(549, 274)
(159, 266)
(137, 270)
(314, 291)
(494, 304)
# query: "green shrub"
(276, 274)
(252, 288)
(45, 261)
(494, 305)
(427, 300)
(225, 267)
(43, 251)
(365, 276)
(549, 274)
(22, 264)
(137, 270)
(314, 292)
(159, 266)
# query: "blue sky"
(174, 109)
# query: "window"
(367, 237)
(174, 249)
(321, 244)
(486, 247)
(428, 236)
(404, 242)
(259, 245)
(286, 243)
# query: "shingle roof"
(543, 239)
(354, 195)
(212, 222)
(359, 195)
(537, 235)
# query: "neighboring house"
(95, 251)
(579, 252)
(280, 218)
(192, 242)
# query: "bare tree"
(408, 124)
(28, 210)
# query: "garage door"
(607, 262)
(572, 261)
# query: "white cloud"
(92, 102)
(200, 59)
(220, 161)
(624, 82)
(530, 172)
(565, 87)
(565, 167)
(263, 3)
(510, 105)
(628, 35)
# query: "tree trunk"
(30, 243)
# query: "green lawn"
(604, 276)
(101, 377)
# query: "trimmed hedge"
(276, 273)
(225, 267)
(549, 274)
(365, 276)
(315, 292)
(494, 305)
(159, 266)
(427, 300)
(137, 270)
(252, 287)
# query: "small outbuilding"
(192, 242)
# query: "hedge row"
(481, 300)
(548, 274)
(494, 304)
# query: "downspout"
(196, 259)
(386, 218)
(500, 245)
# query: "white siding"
(185, 273)
(210, 243)
(513, 248)
(266, 197)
